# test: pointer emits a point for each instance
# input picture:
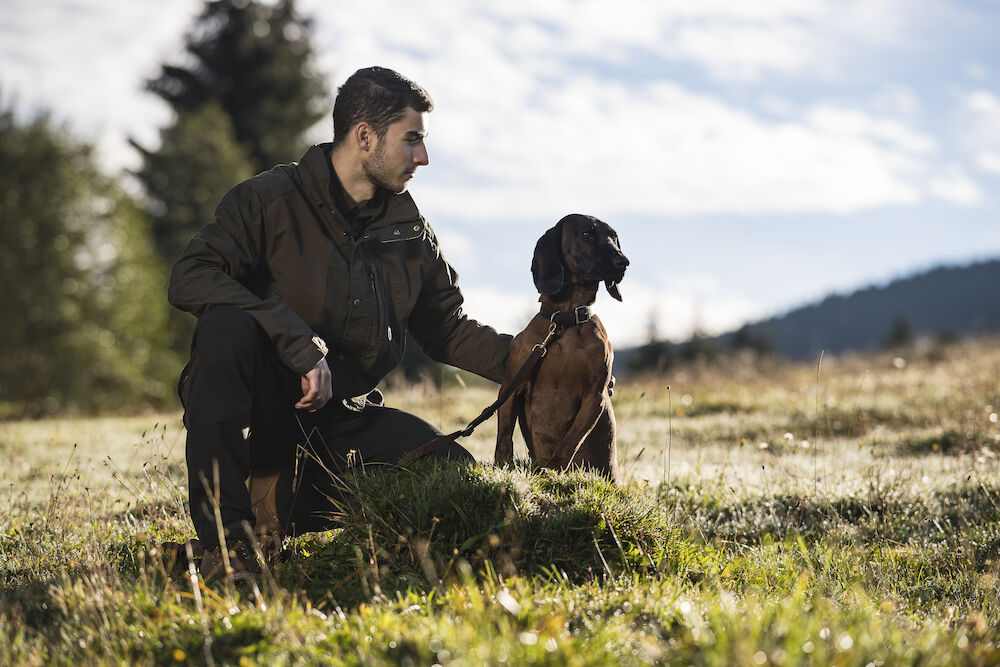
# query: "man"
(304, 286)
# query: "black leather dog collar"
(566, 318)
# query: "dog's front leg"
(584, 422)
(506, 419)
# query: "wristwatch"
(321, 344)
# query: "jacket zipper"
(379, 319)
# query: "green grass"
(838, 513)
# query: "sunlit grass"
(845, 511)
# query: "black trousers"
(238, 409)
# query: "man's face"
(396, 156)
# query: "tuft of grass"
(432, 521)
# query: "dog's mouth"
(611, 281)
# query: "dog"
(564, 407)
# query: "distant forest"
(948, 302)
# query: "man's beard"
(374, 169)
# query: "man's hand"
(316, 387)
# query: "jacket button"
(416, 228)
(395, 232)
(357, 302)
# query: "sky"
(753, 156)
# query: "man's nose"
(420, 156)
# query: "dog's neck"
(571, 296)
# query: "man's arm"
(448, 335)
(208, 273)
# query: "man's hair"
(378, 96)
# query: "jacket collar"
(314, 173)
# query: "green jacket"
(280, 250)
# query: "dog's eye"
(587, 236)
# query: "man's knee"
(224, 329)
(454, 452)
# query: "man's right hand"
(317, 387)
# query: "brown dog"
(565, 407)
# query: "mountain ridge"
(946, 301)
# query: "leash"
(537, 353)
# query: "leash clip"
(553, 327)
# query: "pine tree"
(255, 61)
(243, 101)
(82, 291)
(198, 161)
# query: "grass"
(843, 513)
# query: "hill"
(946, 301)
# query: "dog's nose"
(621, 261)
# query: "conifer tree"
(255, 61)
(82, 289)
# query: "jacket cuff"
(304, 357)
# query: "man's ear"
(547, 268)
(364, 136)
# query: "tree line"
(84, 259)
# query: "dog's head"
(580, 248)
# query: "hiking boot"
(270, 489)
(173, 556)
(243, 563)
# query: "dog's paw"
(559, 462)
(503, 454)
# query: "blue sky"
(752, 156)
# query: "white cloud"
(87, 61)
(989, 161)
(984, 102)
(660, 149)
(727, 40)
(979, 119)
(524, 128)
(852, 124)
(955, 187)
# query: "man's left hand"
(317, 387)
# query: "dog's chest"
(576, 356)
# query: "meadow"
(844, 511)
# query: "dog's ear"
(547, 268)
(612, 288)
